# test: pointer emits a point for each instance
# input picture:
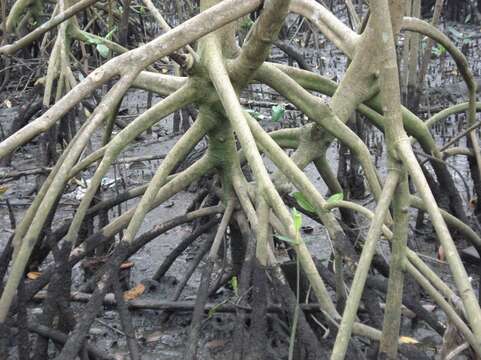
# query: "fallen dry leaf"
(472, 203)
(215, 344)
(155, 336)
(429, 307)
(32, 275)
(126, 265)
(441, 255)
(134, 293)
(407, 340)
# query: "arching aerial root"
(257, 208)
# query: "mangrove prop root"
(213, 76)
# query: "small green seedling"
(297, 219)
(335, 198)
(303, 202)
(277, 113)
(235, 285)
(439, 50)
(102, 49)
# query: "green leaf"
(103, 50)
(92, 40)
(439, 50)
(336, 197)
(246, 23)
(255, 114)
(213, 310)
(455, 32)
(297, 218)
(235, 286)
(277, 113)
(303, 202)
(286, 239)
(109, 35)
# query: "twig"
(60, 337)
(177, 306)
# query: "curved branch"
(420, 278)
(258, 44)
(228, 96)
(343, 37)
(390, 93)
(303, 184)
(183, 180)
(161, 84)
(451, 220)
(51, 116)
(88, 38)
(372, 109)
(180, 150)
(461, 278)
(412, 123)
(43, 206)
(427, 29)
(287, 138)
(133, 62)
(323, 116)
(352, 304)
(457, 151)
(175, 101)
(448, 309)
(423, 27)
(10, 49)
(440, 116)
(163, 24)
(235, 113)
(469, 131)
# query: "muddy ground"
(166, 340)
